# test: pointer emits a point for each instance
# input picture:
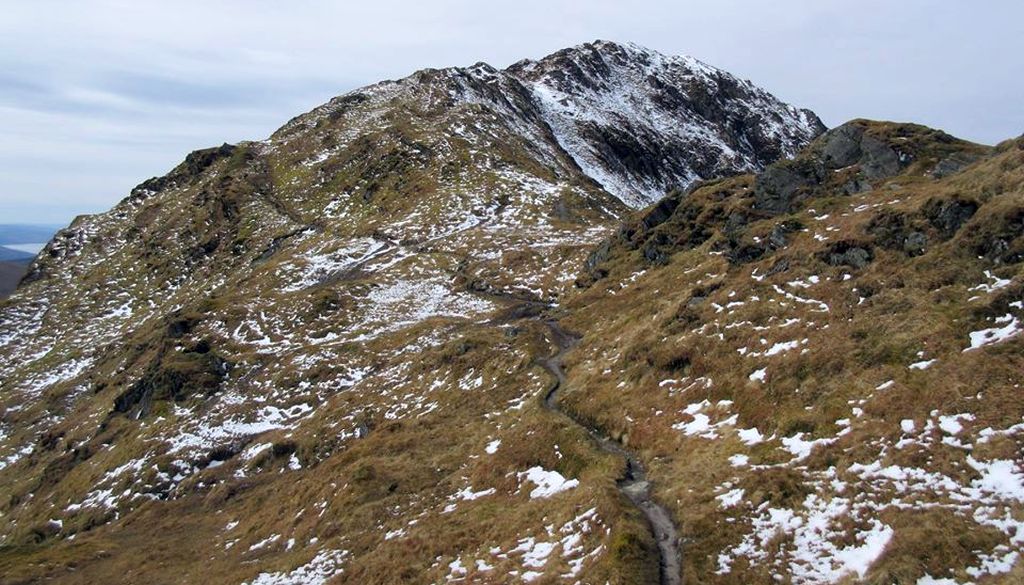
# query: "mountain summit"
(641, 123)
(605, 317)
(636, 122)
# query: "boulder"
(852, 254)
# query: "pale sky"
(98, 95)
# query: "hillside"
(605, 317)
(822, 362)
(304, 357)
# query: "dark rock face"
(65, 243)
(596, 258)
(852, 254)
(948, 216)
(191, 168)
(199, 160)
(846, 161)
(953, 164)
(842, 146)
(174, 376)
(849, 145)
(780, 186)
(777, 239)
(783, 185)
(895, 231)
(660, 212)
(998, 237)
(698, 122)
(937, 220)
(914, 243)
(744, 253)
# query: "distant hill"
(16, 233)
(19, 244)
(11, 254)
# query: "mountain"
(605, 317)
(14, 255)
(305, 356)
(18, 244)
(641, 123)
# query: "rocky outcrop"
(782, 186)
(857, 157)
(849, 160)
(174, 376)
(190, 169)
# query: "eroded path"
(633, 484)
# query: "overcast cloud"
(96, 96)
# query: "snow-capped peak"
(640, 122)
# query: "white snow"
(929, 580)
(534, 552)
(800, 448)
(858, 559)
(469, 495)
(317, 571)
(619, 99)
(951, 423)
(699, 425)
(781, 347)
(315, 266)
(990, 287)
(548, 483)
(993, 335)
(922, 365)
(455, 568)
(812, 556)
(1001, 478)
(492, 447)
(750, 436)
(465, 494)
(821, 306)
(730, 498)
(739, 460)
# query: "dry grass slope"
(800, 374)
